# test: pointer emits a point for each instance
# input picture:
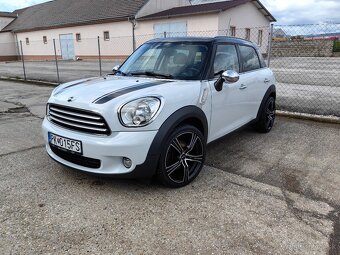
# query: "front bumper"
(110, 150)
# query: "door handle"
(243, 86)
(266, 80)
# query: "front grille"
(77, 119)
(76, 159)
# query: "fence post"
(22, 59)
(100, 57)
(56, 60)
(270, 44)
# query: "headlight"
(140, 112)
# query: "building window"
(260, 37)
(172, 29)
(248, 34)
(27, 41)
(106, 35)
(233, 31)
(45, 39)
(78, 37)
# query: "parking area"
(258, 194)
(307, 85)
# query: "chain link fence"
(306, 63)
(305, 60)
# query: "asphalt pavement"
(258, 194)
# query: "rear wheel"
(182, 157)
(267, 116)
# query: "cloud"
(304, 11)
(286, 11)
(10, 6)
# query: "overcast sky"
(286, 11)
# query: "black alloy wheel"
(267, 118)
(270, 114)
(183, 157)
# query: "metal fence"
(307, 68)
(304, 59)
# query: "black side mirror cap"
(219, 84)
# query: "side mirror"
(115, 69)
(229, 76)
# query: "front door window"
(226, 59)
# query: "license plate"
(65, 144)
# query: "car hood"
(101, 90)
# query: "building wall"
(242, 17)
(8, 49)
(195, 26)
(154, 6)
(4, 21)
(303, 48)
(120, 44)
(87, 47)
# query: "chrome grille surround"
(77, 119)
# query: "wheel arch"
(191, 115)
(271, 92)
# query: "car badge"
(71, 99)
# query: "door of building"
(174, 29)
(67, 46)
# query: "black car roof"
(217, 39)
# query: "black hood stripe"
(75, 84)
(108, 97)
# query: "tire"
(267, 117)
(182, 157)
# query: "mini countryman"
(155, 114)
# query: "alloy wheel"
(184, 157)
(270, 114)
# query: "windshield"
(169, 60)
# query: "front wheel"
(267, 116)
(182, 157)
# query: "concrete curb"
(33, 82)
(312, 117)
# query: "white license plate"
(64, 143)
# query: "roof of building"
(61, 13)
(8, 15)
(208, 8)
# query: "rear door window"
(249, 59)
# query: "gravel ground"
(258, 194)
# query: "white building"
(122, 25)
(7, 43)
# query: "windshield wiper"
(153, 74)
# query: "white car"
(155, 113)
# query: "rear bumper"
(109, 150)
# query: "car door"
(255, 79)
(229, 106)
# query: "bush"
(336, 47)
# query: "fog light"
(127, 162)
